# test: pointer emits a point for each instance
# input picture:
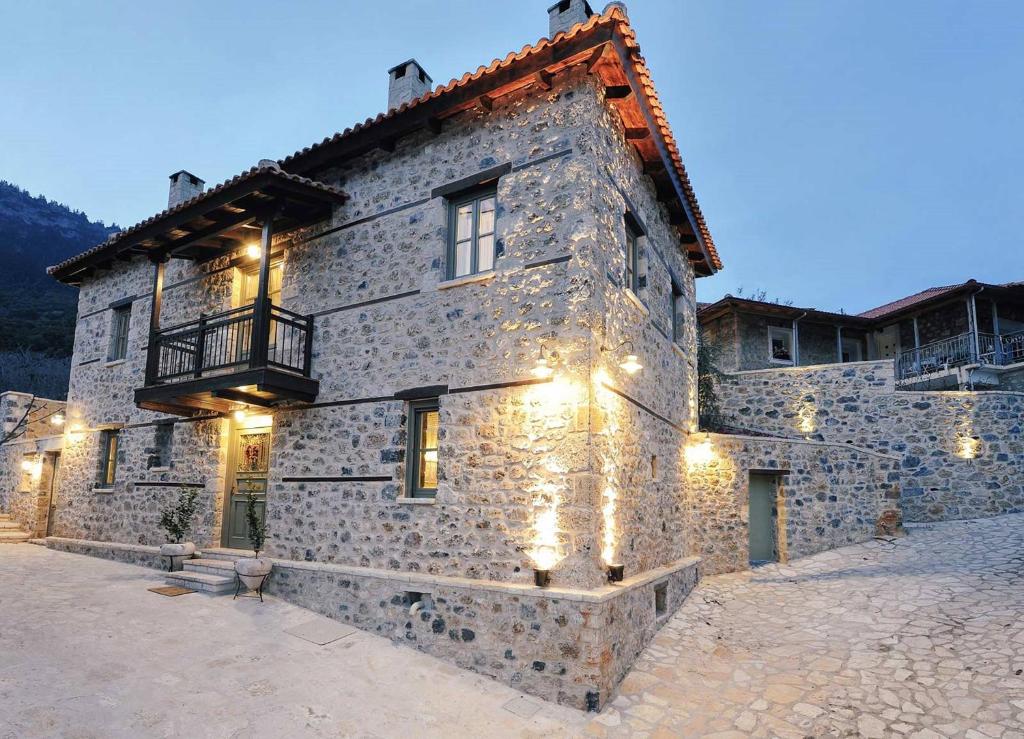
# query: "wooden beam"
(487, 102)
(434, 125)
(635, 134)
(243, 397)
(543, 78)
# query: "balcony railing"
(226, 342)
(957, 351)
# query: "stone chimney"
(406, 82)
(565, 14)
(184, 186)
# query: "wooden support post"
(796, 342)
(261, 307)
(153, 348)
(839, 344)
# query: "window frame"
(474, 195)
(771, 354)
(631, 252)
(120, 325)
(418, 409)
(106, 475)
(678, 325)
(855, 343)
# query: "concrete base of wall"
(565, 645)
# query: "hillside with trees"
(37, 313)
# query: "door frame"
(778, 517)
(51, 500)
(230, 473)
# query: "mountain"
(37, 313)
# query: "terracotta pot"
(178, 553)
(252, 571)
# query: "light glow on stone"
(700, 453)
(968, 447)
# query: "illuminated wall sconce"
(968, 447)
(700, 453)
(630, 362)
(253, 251)
(239, 415)
(57, 419)
(616, 573)
(541, 578)
(33, 467)
(546, 363)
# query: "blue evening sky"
(845, 153)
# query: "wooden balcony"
(258, 355)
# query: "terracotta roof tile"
(114, 238)
(613, 16)
(898, 305)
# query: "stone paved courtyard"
(920, 637)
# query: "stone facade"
(28, 457)
(829, 495)
(961, 453)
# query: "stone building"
(450, 351)
(964, 336)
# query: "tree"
(176, 519)
(709, 410)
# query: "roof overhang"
(607, 46)
(1009, 292)
(784, 312)
(216, 222)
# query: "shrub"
(176, 519)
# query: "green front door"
(761, 523)
(250, 462)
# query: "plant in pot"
(176, 520)
(253, 571)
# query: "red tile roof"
(614, 18)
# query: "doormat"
(170, 590)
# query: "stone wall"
(830, 495)
(962, 453)
(27, 458)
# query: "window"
(678, 315)
(780, 345)
(251, 284)
(421, 477)
(471, 233)
(633, 234)
(108, 458)
(119, 332)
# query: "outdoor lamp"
(253, 251)
(57, 419)
(630, 363)
(545, 363)
(616, 572)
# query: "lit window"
(471, 233)
(781, 344)
(424, 420)
(119, 323)
(108, 458)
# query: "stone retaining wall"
(962, 453)
(830, 495)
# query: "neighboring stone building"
(964, 336)
(448, 350)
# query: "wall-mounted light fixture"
(547, 360)
(630, 362)
(616, 573)
(253, 251)
(239, 415)
(700, 453)
(968, 447)
(57, 419)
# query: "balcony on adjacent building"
(987, 352)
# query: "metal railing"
(957, 351)
(226, 342)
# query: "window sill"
(114, 362)
(781, 362)
(416, 501)
(467, 280)
(635, 299)
(96, 490)
(679, 350)
(159, 469)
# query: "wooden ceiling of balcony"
(216, 222)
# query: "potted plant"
(176, 520)
(253, 571)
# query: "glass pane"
(463, 255)
(426, 478)
(464, 222)
(485, 253)
(486, 224)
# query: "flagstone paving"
(919, 637)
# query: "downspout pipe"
(796, 339)
(972, 309)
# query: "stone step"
(203, 581)
(224, 554)
(8, 524)
(13, 537)
(5, 516)
(223, 567)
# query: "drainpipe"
(972, 319)
(839, 344)
(796, 339)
